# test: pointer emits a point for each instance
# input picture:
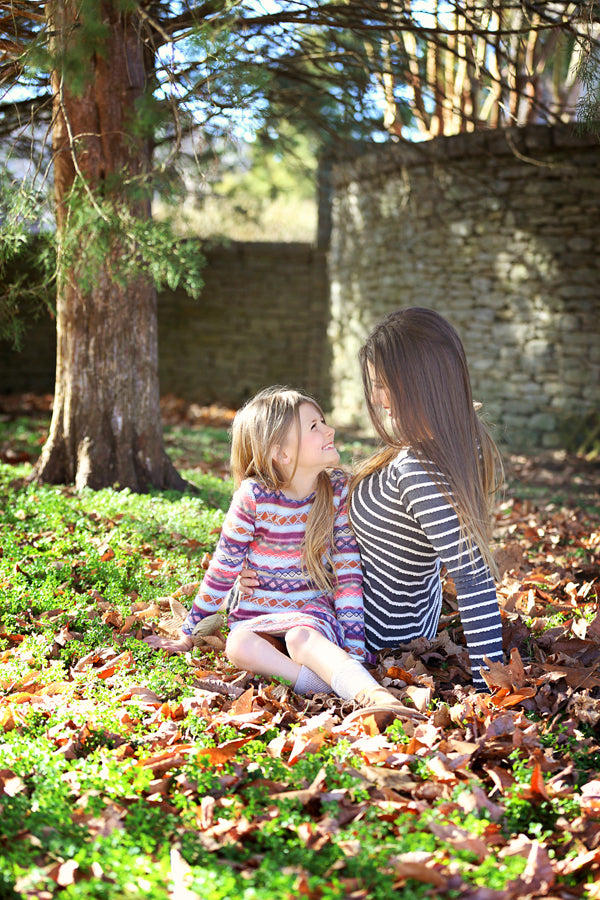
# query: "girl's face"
(380, 396)
(313, 450)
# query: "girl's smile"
(316, 448)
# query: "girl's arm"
(227, 560)
(348, 594)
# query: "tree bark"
(106, 426)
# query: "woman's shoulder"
(406, 460)
(407, 466)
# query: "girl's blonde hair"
(260, 426)
(418, 357)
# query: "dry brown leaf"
(243, 704)
(181, 878)
(477, 799)
(420, 696)
(57, 688)
(214, 640)
(509, 557)
(304, 795)
(590, 796)
(160, 763)
(399, 674)
(539, 873)
(122, 661)
(10, 783)
(502, 779)
(460, 839)
(140, 695)
(7, 722)
(575, 676)
(511, 677)
(101, 656)
(425, 735)
(104, 823)
(409, 865)
(220, 755)
(400, 780)
(64, 873)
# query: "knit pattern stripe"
(264, 530)
(406, 529)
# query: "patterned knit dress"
(264, 530)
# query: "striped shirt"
(264, 530)
(406, 529)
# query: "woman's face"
(380, 395)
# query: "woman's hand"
(247, 581)
(172, 645)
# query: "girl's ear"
(280, 456)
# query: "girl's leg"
(312, 649)
(348, 678)
(261, 654)
(249, 650)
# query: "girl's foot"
(378, 698)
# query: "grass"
(125, 774)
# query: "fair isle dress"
(263, 530)
(406, 529)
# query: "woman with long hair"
(423, 500)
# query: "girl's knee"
(297, 639)
(236, 645)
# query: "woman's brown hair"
(259, 426)
(417, 356)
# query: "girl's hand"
(248, 581)
(181, 645)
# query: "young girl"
(288, 522)
(423, 501)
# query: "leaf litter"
(507, 780)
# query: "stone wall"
(498, 231)
(261, 319)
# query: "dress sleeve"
(348, 594)
(475, 589)
(228, 558)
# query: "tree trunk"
(106, 426)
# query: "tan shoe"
(378, 698)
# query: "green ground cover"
(125, 773)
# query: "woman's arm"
(475, 590)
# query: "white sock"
(308, 682)
(351, 679)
